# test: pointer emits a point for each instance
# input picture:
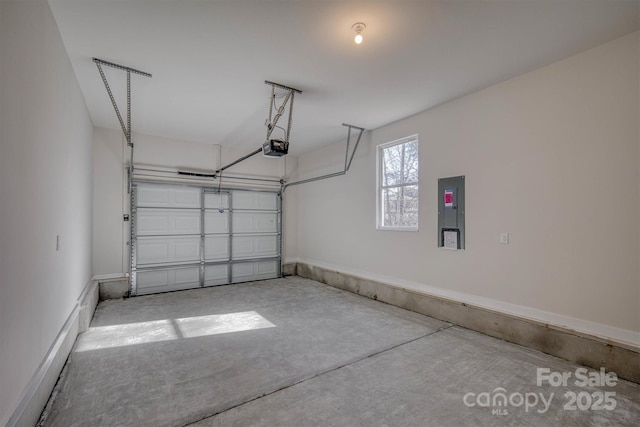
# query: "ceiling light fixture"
(358, 27)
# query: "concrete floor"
(293, 352)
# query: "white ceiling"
(209, 59)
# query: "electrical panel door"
(451, 212)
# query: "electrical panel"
(451, 212)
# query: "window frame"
(380, 187)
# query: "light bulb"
(358, 27)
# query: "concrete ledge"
(113, 288)
(586, 350)
(289, 269)
(44, 380)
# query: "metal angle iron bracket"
(348, 159)
(272, 121)
(347, 165)
(126, 129)
(133, 243)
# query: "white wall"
(551, 157)
(45, 190)
(111, 200)
(108, 208)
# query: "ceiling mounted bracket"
(279, 147)
(347, 165)
(348, 159)
(126, 129)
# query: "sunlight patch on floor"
(102, 337)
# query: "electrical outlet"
(504, 238)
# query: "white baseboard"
(41, 384)
(623, 337)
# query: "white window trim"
(380, 187)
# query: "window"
(398, 185)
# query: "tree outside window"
(398, 184)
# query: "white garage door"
(186, 237)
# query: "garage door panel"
(187, 250)
(216, 248)
(149, 195)
(167, 221)
(265, 223)
(167, 196)
(249, 271)
(186, 198)
(216, 201)
(187, 223)
(255, 246)
(255, 200)
(167, 280)
(216, 275)
(216, 222)
(255, 222)
(164, 250)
